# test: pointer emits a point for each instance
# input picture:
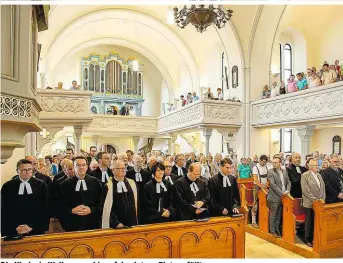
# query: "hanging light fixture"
(201, 17)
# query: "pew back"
(328, 229)
(263, 211)
(220, 237)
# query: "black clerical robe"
(146, 177)
(57, 200)
(27, 209)
(58, 176)
(333, 180)
(175, 170)
(185, 198)
(295, 177)
(92, 197)
(223, 197)
(172, 183)
(97, 173)
(123, 206)
(156, 202)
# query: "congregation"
(101, 190)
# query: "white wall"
(70, 69)
(322, 139)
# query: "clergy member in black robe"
(192, 195)
(294, 171)
(171, 179)
(333, 179)
(121, 200)
(24, 202)
(178, 168)
(223, 187)
(103, 172)
(157, 196)
(81, 199)
(141, 177)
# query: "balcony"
(202, 114)
(116, 125)
(319, 105)
(64, 106)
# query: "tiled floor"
(258, 248)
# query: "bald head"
(119, 170)
(296, 158)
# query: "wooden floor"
(256, 247)
(299, 248)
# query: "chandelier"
(201, 17)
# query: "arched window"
(286, 61)
(336, 144)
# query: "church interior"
(155, 91)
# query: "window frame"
(282, 136)
(282, 49)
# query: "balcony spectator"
(292, 84)
(282, 88)
(132, 111)
(333, 70)
(74, 85)
(266, 92)
(312, 80)
(194, 96)
(328, 76)
(338, 70)
(183, 101)
(171, 107)
(125, 110)
(189, 98)
(59, 86)
(302, 82)
(208, 95)
(275, 90)
(220, 94)
(308, 73)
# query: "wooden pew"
(220, 237)
(293, 213)
(263, 211)
(328, 229)
(246, 201)
(245, 188)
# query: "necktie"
(138, 177)
(25, 185)
(158, 187)
(169, 179)
(104, 178)
(194, 188)
(179, 171)
(121, 187)
(226, 181)
(78, 185)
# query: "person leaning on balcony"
(59, 86)
(208, 95)
(328, 76)
(291, 84)
(266, 92)
(302, 82)
(220, 94)
(313, 188)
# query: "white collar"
(23, 185)
(158, 187)
(121, 187)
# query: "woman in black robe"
(157, 195)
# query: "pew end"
(263, 211)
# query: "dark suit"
(175, 170)
(295, 177)
(333, 184)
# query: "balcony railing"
(323, 103)
(122, 125)
(205, 113)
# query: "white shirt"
(316, 178)
(282, 179)
(263, 171)
(275, 92)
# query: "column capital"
(305, 132)
(78, 131)
(135, 139)
(207, 132)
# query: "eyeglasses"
(27, 170)
(81, 165)
(123, 169)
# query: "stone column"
(246, 112)
(171, 144)
(305, 133)
(78, 133)
(135, 140)
(102, 109)
(207, 134)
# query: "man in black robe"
(192, 195)
(333, 179)
(61, 173)
(191, 160)
(123, 157)
(103, 172)
(151, 162)
(157, 196)
(81, 199)
(24, 203)
(171, 179)
(179, 168)
(121, 200)
(141, 177)
(294, 171)
(224, 191)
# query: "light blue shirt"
(301, 84)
